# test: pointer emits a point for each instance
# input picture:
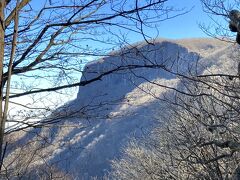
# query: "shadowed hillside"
(121, 105)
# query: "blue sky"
(185, 26)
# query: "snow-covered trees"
(197, 139)
(43, 46)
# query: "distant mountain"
(120, 106)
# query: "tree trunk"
(2, 34)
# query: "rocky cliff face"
(123, 104)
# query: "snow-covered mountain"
(122, 105)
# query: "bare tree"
(198, 137)
(44, 46)
(224, 17)
(200, 140)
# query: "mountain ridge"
(122, 105)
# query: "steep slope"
(164, 57)
(123, 104)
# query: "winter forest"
(119, 89)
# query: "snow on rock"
(123, 104)
(169, 56)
